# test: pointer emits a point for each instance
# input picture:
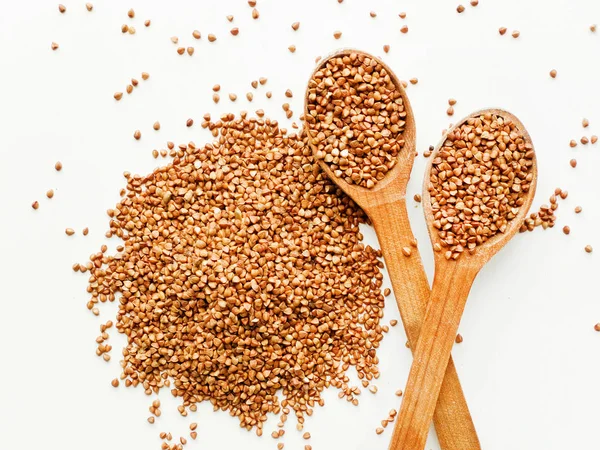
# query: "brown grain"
(478, 181)
(355, 118)
(241, 276)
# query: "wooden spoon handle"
(452, 420)
(448, 298)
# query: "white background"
(529, 362)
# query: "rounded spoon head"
(484, 251)
(397, 178)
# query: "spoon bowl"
(385, 204)
(451, 285)
(484, 252)
(396, 179)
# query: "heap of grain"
(355, 116)
(241, 274)
(478, 181)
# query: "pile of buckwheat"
(242, 273)
(355, 116)
(478, 182)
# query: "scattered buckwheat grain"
(242, 275)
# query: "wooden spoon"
(451, 286)
(385, 204)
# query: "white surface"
(529, 362)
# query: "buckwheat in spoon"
(478, 188)
(362, 132)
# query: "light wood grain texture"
(451, 286)
(385, 204)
